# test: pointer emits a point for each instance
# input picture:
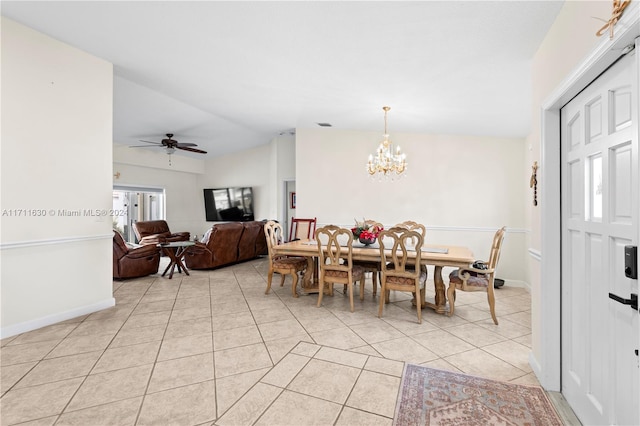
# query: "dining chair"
(335, 255)
(475, 279)
(371, 266)
(413, 226)
(283, 265)
(302, 229)
(418, 227)
(398, 271)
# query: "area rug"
(437, 397)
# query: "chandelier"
(386, 163)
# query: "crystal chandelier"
(386, 163)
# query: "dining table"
(438, 256)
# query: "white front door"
(599, 157)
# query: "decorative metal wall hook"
(533, 182)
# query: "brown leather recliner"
(132, 263)
(157, 231)
(227, 243)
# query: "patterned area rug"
(436, 397)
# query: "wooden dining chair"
(279, 264)
(398, 271)
(335, 258)
(418, 227)
(302, 229)
(474, 279)
(371, 266)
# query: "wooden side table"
(175, 251)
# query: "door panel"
(600, 190)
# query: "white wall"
(263, 168)
(285, 165)
(56, 155)
(461, 187)
(253, 167)
(184, 205)
(568, 42)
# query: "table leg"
(179, 257)
(172, 262)
(307, 279)
(441, 299)
(175, 260)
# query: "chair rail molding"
(52, 241)
(535, 254)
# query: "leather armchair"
(132, 263)
(157, 231)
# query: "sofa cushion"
(247, 243)
(226, 243)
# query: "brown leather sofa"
(136, 262)
(228, 243)
(157, 231)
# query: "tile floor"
(213, 349)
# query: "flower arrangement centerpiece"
(366, 233)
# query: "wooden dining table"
(437, 255)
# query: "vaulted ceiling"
(233, 75)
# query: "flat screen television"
(228, 204)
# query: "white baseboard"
(517, 283)
(535, 366)
(30, 325)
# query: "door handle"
(633, 301)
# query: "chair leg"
(418, 306)
(451, 295)
(387, 296)
(320, 291)
(383, 292)
(282, 277)
(269, 279)
(492, 306)
(374, 278)
(351, 297)
(294, 275)
(362, 288)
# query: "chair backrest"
(371, 222)
(119, 246)
(395, 244)
(302, 229)
(414, 226)
(273, 234)
(150, 227)
(498, 238)
(335, 245)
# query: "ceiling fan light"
(170, 150)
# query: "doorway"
(289, 206)
(135, 204)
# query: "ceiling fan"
(171, 145)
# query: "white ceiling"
(233, 75)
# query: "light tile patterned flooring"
(213, 349)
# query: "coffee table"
(175, 251)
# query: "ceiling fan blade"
(144, 146)
(199, 151)
(155, 143)
(179, 144)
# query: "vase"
(367, 241)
